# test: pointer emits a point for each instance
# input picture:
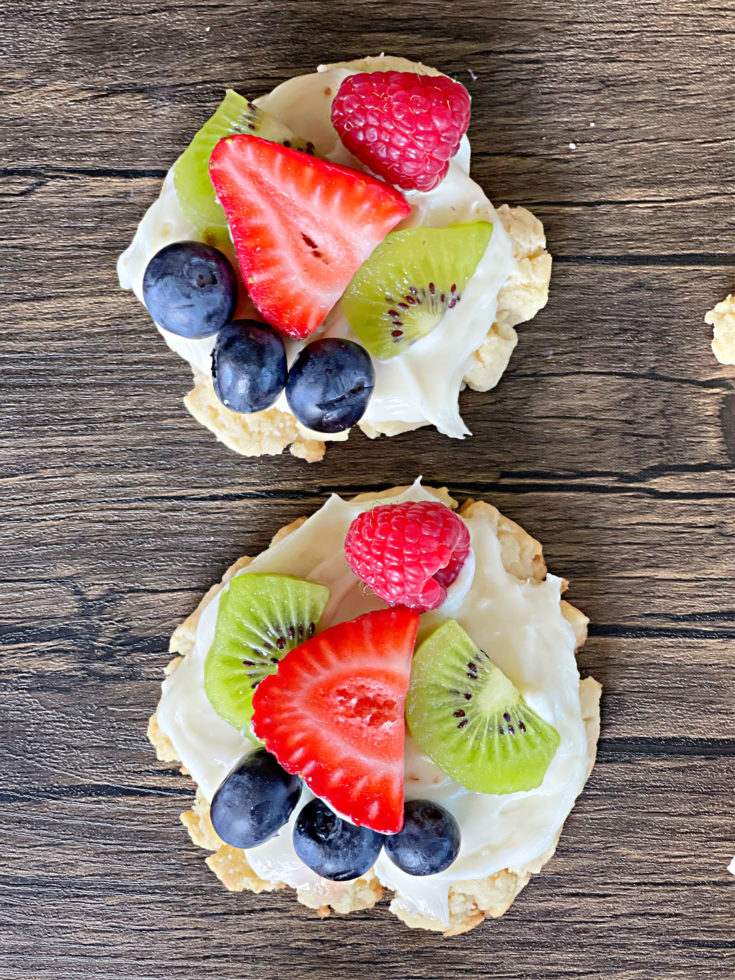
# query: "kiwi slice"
(194, 187)
(471, 720)
(409, 282)
(260, 619)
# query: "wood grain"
(611, 438)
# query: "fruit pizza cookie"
(322, 259)
(385, 698)
(722, 318)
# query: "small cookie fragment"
(523, 295)
(199, 825)
(471, 902)
(165, 751)
(231, 867)
(265, 433)
(527, 289)
(350, 896)
(522, 554)
(722, 318)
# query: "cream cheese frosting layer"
(423, 384)
(518, 623)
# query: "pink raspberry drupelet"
(408, 553)
(404, 126)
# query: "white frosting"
(519, 624)
(423, 384)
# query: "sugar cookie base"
(722, 318)
(469, 901)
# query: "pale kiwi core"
(494, 699)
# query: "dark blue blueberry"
(255, 801)
(248, 366)
(190, 289)
(333, 847)
(329, 384)
(429, 841)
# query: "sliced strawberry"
(302, 226)
(333, 713)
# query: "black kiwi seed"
(413, 298)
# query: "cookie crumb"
(722, 318)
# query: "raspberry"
(404, 126)
(408, 553)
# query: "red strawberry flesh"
(301, 226)
(333, 713)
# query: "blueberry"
(255, 801)
(429, 841)
(332, 847)
(329, 384)
(248, 366)
(190, 289)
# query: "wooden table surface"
(611, 438)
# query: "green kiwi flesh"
(469, 718)
(260, 619)
(401, 293)
(194, 187)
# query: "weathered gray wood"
(611, 438)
